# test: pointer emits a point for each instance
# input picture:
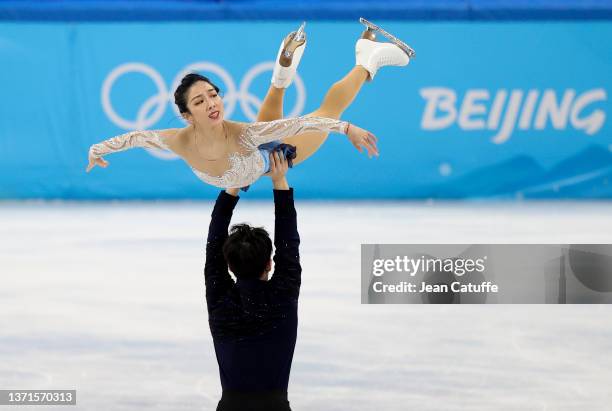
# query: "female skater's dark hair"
(247, 250)
(180, 95)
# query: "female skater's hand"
(362, 139)
(278, 170)
(93, 161)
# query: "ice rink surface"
(108, 299)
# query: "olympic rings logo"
(153, 108)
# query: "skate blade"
(405, 47)
(297, 40)
(300, 35)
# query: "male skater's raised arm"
(216, 275)
(287, 268)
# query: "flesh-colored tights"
(337, 99)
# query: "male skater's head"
(248, 252)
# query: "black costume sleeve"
(216, 275)
(287, 268)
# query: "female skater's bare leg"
(341, 94)
(336, 101)
(272, 106)
(370, 55)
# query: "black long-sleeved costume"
(254, 322)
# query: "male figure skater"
(253, 321)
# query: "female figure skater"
(230, 154)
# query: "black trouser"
(253, 401)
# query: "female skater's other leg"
(288, 58)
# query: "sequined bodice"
(244, 170)
(244, 167)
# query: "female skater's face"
(204, 104)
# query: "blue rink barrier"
(487, 109)
(199, 10)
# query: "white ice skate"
(372, 55)
(288, 58)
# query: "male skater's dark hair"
(247, 250)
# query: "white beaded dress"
(245, 167)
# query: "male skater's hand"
(278, 170)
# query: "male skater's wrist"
(280, 184)
(226, 200)
(234, 192)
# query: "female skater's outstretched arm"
(259, 133)
(252, 136)
(132, 139)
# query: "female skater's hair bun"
(247, 250)
(180, 95)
